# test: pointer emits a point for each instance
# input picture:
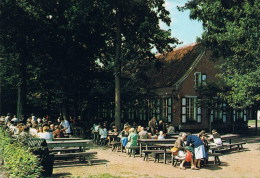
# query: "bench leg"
(217, 160)
(146, 156)
(88, 160)
(156, 157)
(175, 162)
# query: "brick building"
(174, 79)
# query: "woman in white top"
(46, 134)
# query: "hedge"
(18, 160)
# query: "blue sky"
(182, 27)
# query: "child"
(161, 136)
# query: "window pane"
(183, 110)
(184, 101)
(199, 118)
(184, 118)
(169, 101)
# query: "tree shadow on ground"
(57, 175)
(214, 167)
(73, 163)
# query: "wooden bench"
(115, 145)
(83, 156)
(64, 150)
(216, 157)
(238, 146)
(176, 159)
(157, 154)
(132, 149)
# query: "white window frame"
(200, 79)
(186, 110)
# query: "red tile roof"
(169, 68)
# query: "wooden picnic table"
(112, 137)
(82, 144)
(154, 142)
(165, 147)
(172, 135)
(229, 137)
(67, 139)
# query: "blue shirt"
(195, 140)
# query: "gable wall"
(205, 66)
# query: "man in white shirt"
(15, 119)
(65, 124)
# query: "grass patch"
(252, 122)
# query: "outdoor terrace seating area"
(159, 150)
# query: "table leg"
(164, 156)
(140, 149)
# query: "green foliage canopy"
(232, 31)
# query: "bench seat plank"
(82, 155)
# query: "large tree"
(232, 31)
(132, 31)
(62, 40)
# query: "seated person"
(25, 131)
(58, 132)
(216, 138)
(103, 134)
(124, 135)
(171, 129)
(132, 138)
(161, 136)
(180, 144)
(48, 136)
(33, 130)
(143, 134)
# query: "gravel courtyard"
(234, 164)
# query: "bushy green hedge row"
(18, 160)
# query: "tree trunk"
(21, 98)
(118, 70)
(19, 105)
(210, 123)
(1, 95)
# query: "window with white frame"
(142, 114)
(191, 109)
(219, 112)
(156, 108)
(200, 79)
(169, 109)
(131, 114)
(240, 115)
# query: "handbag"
(188, 156)
(175, 151)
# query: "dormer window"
(200, 79)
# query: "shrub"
(18, 160)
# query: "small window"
(200, 79)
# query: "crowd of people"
(188, 147)
(130, 133)
(37, 127)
